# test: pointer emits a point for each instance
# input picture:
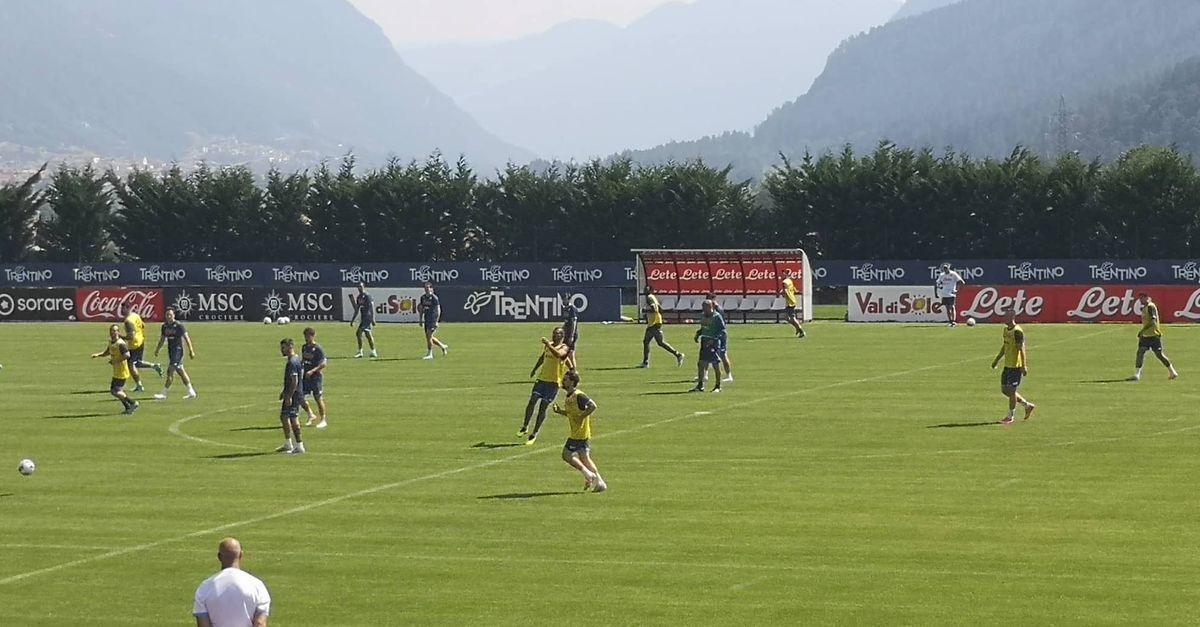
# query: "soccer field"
(854, 477)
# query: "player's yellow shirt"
(1150, 321)
(789, 292)
(654, 316)
(136, 330)
(581, 426)
(553, 368)
(116, 356)
(1014, 339)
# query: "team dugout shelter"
(746, 283)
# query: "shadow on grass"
(1108, 381)
(516, 496)
(271, 428)
(90, 392)
(679, 382)
(76, 416)
(7, 494)
(963, 425)
(672, 393)
(491, 445)
(615, 368)
(241, 455)
(525, 382)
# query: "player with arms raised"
(947, 287)
(364, 312)
(175, 336)
(553, 365)
(1016, 365)
(1150, 339)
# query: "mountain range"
(684, 70)
(175, 79)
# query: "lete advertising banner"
(751, 276)
(392, 304)
(885, 303)
(1078, 303)
(100, 304)
(528, 304)
(32, 304)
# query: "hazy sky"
(413, 22)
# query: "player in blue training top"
(570, 329)
(292, 396)
(430, 309)
(312, 357)
(176, 337)
(364, 312)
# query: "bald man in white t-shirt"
(947, 287)
(232, 597)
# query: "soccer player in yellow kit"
(1150, 339)
(1016, 365)
(654, 324)
(135, 337)
(553, 364)
(789, 302)
(118, 355)
(577, 452)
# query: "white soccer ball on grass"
(970, 321)
(267, 320)
(26, 467)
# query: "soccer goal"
(746, 283)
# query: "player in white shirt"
(232, 597)
(947, 287)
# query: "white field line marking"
(175, 430)
(299, 509)
(750, 567)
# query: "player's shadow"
(671, 393)
(1108, 381)
(492, 445)
(962, 425)
(242, 455)
(516, 496)
(678, 382)
(76, 416)
(271, 428)
(525, 382)
(614, 368)
(7, 494)
(90, 392)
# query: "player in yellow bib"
(135, 337)
(577, 451)
(117, 352)
(1016, 365)
(1150, 339)
(654, 324)
(788, 288)
(553, 365)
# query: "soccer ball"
(283, 320)
(267, 320)
(26, 467)
(970, 322)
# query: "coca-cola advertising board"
(37, 304)
(1078, 303)
(888, 303)
(100, 304)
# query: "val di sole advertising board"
(1078, 303)
(528, 304)
(37, 305)
(207, 304)
(392, 304)
(101, 304)
(885, 303)
(301, 305)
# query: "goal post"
(746, 282)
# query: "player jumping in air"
(788, 288)
(1150, 339)
(947, 286)
(430, 309)
(118, 355)
(312, 358)
(176, 337)
(553, 365)
(1016, 365)
(364, 312)
(292, 397)
(577, 452)
(654, 324)
(135, 338)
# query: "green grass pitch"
(841, 479)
